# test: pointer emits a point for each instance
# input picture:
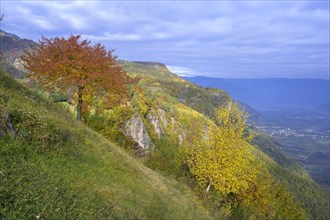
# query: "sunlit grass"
(85, 177)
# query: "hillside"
(164, 114)
(296, 179)
(284, 169)
(158, 78)
(54, 167)
(87, 159)
(12, 48)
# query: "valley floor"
(305, 137)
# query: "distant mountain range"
(12, 48)
(274, 93)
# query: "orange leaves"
(76, 65)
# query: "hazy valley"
(304, 135)
(291, 111)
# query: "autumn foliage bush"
(236, 182)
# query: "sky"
(225, 39)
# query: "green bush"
(111, 124)
(34, 130)
(167, 158)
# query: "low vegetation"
(54, 167)
(295, 179)
(203, 163)
(168, 157)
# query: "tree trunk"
(79, 106)
(208, 187)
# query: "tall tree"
(223, 161)
(222, 158)
(77, 66)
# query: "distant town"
(310, 133)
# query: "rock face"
(158, 120)
(19, 64)
(137, 131)
(155, 122)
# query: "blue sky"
(250, 39)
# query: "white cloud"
(77, 23)
(114, 37)
(211, 37)
(160, 35)
(43, 23)
(182, 71)
(321, 14)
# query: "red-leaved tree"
(76, 65)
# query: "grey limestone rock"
(137, 131)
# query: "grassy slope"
(297, 181)
(287, 171)
(83, 177)
(158, 78)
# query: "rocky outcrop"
(158, 120)
(178, 131)
(153, 119)
(19, 64)
(137, 131)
